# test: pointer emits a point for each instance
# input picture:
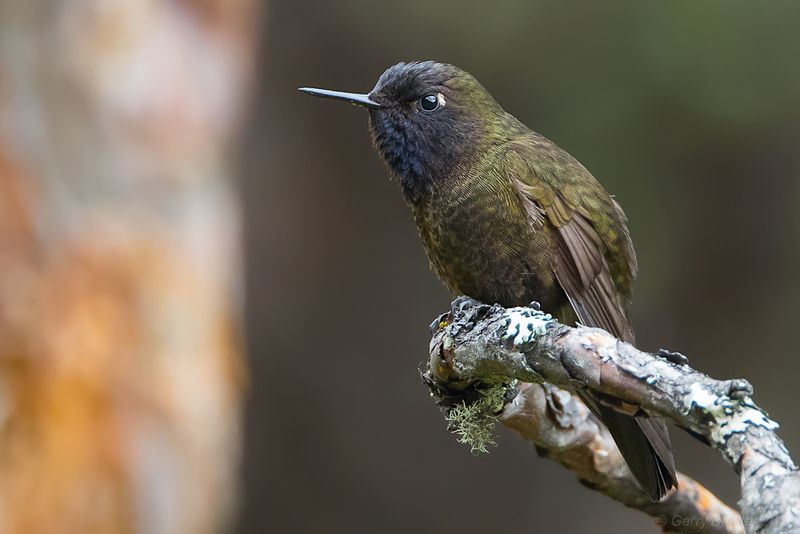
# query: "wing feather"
(594, 261)
(595, 265)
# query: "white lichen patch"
(702, 398)
(606, 352)
(729, 417)
(740, 421)
(525, 325)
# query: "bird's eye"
(429, 103)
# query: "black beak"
(353, 98)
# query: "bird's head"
(428, 118)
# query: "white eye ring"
(431, 103)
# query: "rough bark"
(478, 347)
(121, 370)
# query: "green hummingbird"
(506, 216)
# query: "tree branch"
(477, 348)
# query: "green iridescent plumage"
(508, 217)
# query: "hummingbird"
(508, 217)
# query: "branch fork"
(537, 363)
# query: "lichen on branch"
(477, 346)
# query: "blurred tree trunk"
(121, 368)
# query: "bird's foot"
(739, 388)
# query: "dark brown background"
(687, 111)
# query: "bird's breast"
(481, 243)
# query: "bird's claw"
(739, 388)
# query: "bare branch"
(478, 347)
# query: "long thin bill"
(353, 98)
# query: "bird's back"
(525, 221)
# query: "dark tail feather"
(645, 446)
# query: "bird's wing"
(596, 266)
(594, 261)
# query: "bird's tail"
(644, 444)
